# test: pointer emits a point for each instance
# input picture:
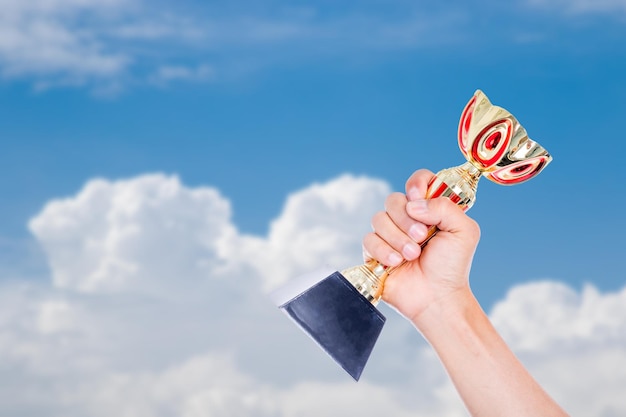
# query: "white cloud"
(108, 45)
(156, 307)
(573, 342)
(43, 38)
(134, 235)
(55, 316)
(90, 43)
(322, 225)
(152, 284)
(550, 315)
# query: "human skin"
(431, 289)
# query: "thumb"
(446, 215)
(417, 184)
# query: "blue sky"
(262, 100)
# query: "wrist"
(447, 313)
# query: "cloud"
(321, 225)
(551, 315)
(115, 236)
(44, 38)
(156, 306)
(109, 45)
(572, 341)
(98, 44)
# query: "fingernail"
(394, 259)
(414, 194)
(417, 206)
(417, 232)
(410, 251)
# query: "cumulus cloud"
(573, 341)
(152, 231)
(548, 314)
(321, 225)
(135, 235)
(156, 306)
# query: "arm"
(432, 290)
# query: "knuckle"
(474, 229)
(378, 219)
(421, 176)
(448, 204)
(447, 207)
(373, 244)
(394, 199)
(368, 241)
(423, 172)
(374, 247)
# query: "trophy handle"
(459, 185)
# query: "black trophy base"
(340, 320)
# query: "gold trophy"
(339, 311)
(496, 146)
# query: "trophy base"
(340, 320)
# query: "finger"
(396, 238)
(417, 184)
(376, 248)
(395, 206)
(446, 215)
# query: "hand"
(432, 290)
(433, 274)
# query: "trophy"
(339, 311)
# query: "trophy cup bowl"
(339, 312)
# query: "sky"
(165, 165)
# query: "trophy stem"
(459, 184)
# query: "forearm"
(489, 378)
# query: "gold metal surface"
(496, 146)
